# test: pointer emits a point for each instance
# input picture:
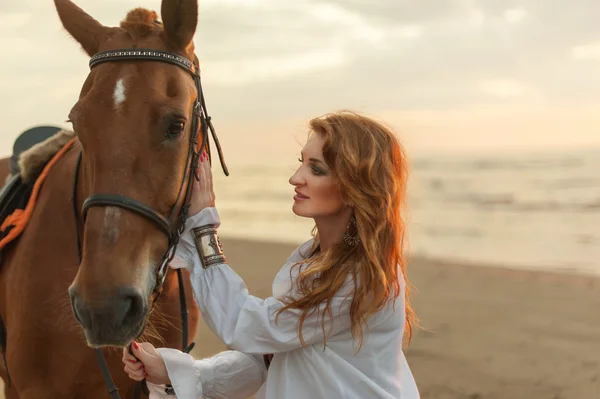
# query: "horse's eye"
(175, 130)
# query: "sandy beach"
(487, 332)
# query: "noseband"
(172, 227)
(200, 121)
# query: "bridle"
(199, 115)
(172, 228)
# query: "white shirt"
(246, 324)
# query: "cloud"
(438, 44)
(515, 15)
(275, 45)
(261, 69)
(508, 89)
(14, 20)
(399, 12)
(267, 60)
(588, 51)
(502, 88)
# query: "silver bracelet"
(208, 244)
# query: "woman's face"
(317, 194)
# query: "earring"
(351, 239)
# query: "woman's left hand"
(203, 194)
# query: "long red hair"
(370, 166)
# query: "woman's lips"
(299, 197)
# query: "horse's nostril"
(130, 305)
(110, 319)
(80, 312)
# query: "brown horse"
(133, 123)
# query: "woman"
(336, 322)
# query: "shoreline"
(457, 261)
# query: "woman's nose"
(296, 179)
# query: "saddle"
(19, 194)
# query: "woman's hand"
(203, 194)
(151, 365)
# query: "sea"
(531, 211)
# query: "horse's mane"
(140, 22)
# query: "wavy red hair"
(370, 166)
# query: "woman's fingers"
(128, 356)
(136, 371)
(203, 175)
(130, 361)
(133, 367)
(209, 180)
(137, 376)
(207, 173)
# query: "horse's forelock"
(140, 22)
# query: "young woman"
(339, 313)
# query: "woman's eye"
(316, 171)
(300, 160)
(175, 130)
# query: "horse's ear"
(85, 29)
(180, 18)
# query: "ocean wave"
(516, 162)
(509, 202)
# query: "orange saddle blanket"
(18, 199)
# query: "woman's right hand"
(150, 365)
(203, 193)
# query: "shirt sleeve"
(157, 391)
(226, 375)
(247, 323)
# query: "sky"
(449, 76)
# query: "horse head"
(137, 120)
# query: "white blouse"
(246, 324)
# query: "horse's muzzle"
(113, 320)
